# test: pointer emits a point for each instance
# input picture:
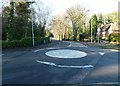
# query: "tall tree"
(94, 25)
(5, 13)
(61, 27)
(10, 22)
(42, 15)
(57, 25)
(100, 20)
(89, 27)
(77, 16)
(109, 20)
(112, 17)
(22, 13)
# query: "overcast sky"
(95, 6)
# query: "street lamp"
(91, 29)
(33, 41)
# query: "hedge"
(10, 44)
(24, 42)
(114, 37)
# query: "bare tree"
(57, 27)
(61, 27)
(42, 13)
(77, 15)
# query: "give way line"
(63, 66)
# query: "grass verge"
(110, 46)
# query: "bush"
(14, 43)
(47, 39)
(86, 40)
(4, 44)
(10, 44)
(38, 40)
(114, 37)
(107, 39)
(24, 42)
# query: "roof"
(111, 27)
(105, 27)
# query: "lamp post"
(91, 29)
(33, 41)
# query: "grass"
(110, 46)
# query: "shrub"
(10, 44)
(47, 39)
(4, 44)
(114, 37)
(106, 38)
(86, 40)
(15, 43)
(38, 40)
(24, 42)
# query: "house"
(107, 29)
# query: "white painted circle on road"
(66, 53)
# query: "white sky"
(95, 6)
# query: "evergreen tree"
(94, 25)
(100, 20)
(22, 13)
(10, 22)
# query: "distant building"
(107, 29)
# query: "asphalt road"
(20, 66)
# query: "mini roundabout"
(68, 58)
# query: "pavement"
(30, 66)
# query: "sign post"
(98, 31)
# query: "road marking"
(50, 48)
(47, 63)
(46, 48)
(108, 83)
(63, 66)
(66, 53)
(38, 50)
(114, 50)
(101, 53)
